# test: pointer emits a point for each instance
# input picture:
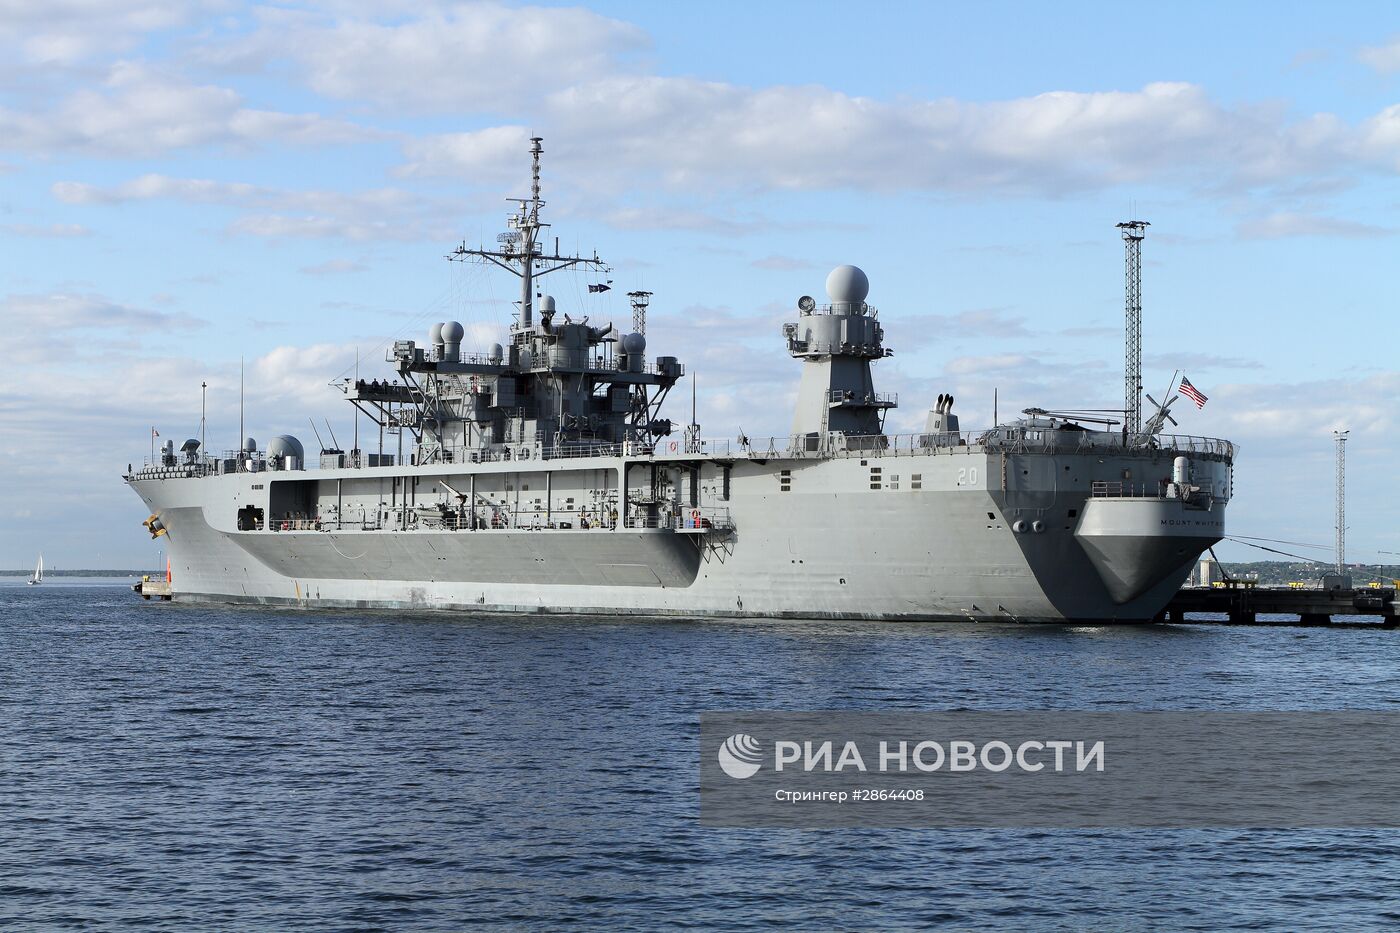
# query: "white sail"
(38, 571)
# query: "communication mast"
(640, 300)
(519, 251)
(1341, 437)
(1133, 233)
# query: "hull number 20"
(967, 476)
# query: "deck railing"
(811, 446)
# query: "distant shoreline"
(78, 573)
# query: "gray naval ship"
(542, 477)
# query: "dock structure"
(151, 587)
(1241, 602)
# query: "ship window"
(1073, 513)
(874, 470)
(991, 516)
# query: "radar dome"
(634, 343)
(847, 285)
(497, 352)
(547, 303)
(452, 332)
(435, 335)
(250, 445)
(284, 445)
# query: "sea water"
(174, 767)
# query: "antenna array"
(640, 300)
(1133, 233)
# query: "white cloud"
(1289, 224)
(1384, 58)
(333, 267)
(674, 218)
(67, 32)
(1198, 361)
(918, 329)
(690, 133)
(47, 230)
(481, 57)
(144, 111)
(27, 315)
(376, 214)
(1015, 363)
(1268, 414)
(153, 186)
(776, 263)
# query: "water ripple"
(174, 768)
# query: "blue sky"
(185, 185)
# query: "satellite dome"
(284, 445)
(547, 303)
(634, 343)
(497, 351)
(250, 445)
(847, 285)
(435, 334)
(452, 332)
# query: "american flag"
(1191, 392)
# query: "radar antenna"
(518, 252)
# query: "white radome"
(847, 284)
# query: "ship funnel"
(452, 333)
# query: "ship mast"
(519, 252)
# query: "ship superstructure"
(541, 476)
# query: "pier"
(1241, 602)
(150, 587)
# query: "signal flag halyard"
(1191, 392)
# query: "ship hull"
(939, 547)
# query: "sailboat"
(38, 576)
